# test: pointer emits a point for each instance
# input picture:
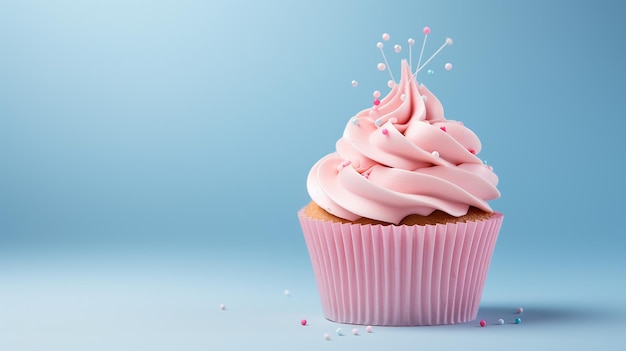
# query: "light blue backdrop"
(152, 127)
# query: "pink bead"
(483, 323)
(376, 102)
(376, 94)
(472, 151)
(448, 66)
(426, 30)
(303, 322)
(369, 329)
(443, 128)
(520, 310)
(381, 66)
(385, 131)
(385, 36)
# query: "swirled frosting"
(402, 157)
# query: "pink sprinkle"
(472, 151)
(443, 128)
(426, 30)
(376, 102)
(483, 323)
(385, 131)
(303, 322)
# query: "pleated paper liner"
(400, 275)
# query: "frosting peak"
(402, 157)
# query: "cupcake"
(399, 230)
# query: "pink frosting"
(403, 157)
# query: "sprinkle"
(355, 121)
(287, 292)
(376, 102)
(448, 66)
(501, 321)
(339, 331)
(385, 36)
(303, 322)
(430, 71)
(483, 323)
(385, 131)
(518, 320)
(425, 98)
(381, 66)
(355, 84)
(378, 122)
(391, 83)
(343, 164)
(222, 307)
(355, 331)
(376, 94)
(520, 310)
(435, 153)
(485, 162)
(472, 151)
(403, 97)
(326, 336)
(369, 329)
(443, 128)
(397, 48)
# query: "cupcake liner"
(400, 275)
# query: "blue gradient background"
(153, 156)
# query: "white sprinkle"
(435, 153)
(326, 336)
(222, 307)
(287, 293)
(369, 329)
(355, 331)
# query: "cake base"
(399, 275)
(437, 217)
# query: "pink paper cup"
(400, 275)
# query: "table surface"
(169, 298)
